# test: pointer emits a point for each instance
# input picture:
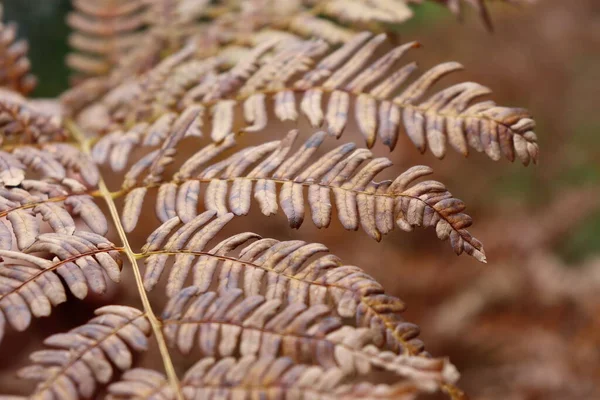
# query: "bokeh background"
(526, 325)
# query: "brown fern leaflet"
(14, 64)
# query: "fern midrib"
(154, 321)
(179, 182)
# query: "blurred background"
(527, 324)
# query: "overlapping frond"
(308, 25)
(49, 189)
(175, 14)
(392, 11)
(106, 30)
(291, 272)
(329, 19)
(30, 285)
(250, 377)
(367, 11)
(14, 65)
(117, 40)
(79, 360)
(54, 181)
(158, 93)
(103, 32)
(225, 325)
(27, 122)
(367, 90)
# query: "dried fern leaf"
(173, 15)
(226, 324)
(81, 359)
(395, 11)
(332, 20)
(104, 31)
(154, 93)
(14, 65)
(25, 122)
(142, 58)
(30, 285)
(112, 42)
(368, 11)
(248, 377)
(50, 188)
(25, 292)
(360, 85)
(56, 197)
(105, 38)
(160, 75)
(346, 173)
(84, 93)
(115, 41)
(280, 271)
(308, 25)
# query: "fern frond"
(284, 267)
(30, 285)
(451, 116)
(394, 11)
(225, 324)
(345, 172)
(27, 122)
(81, 359)
(104, 31)
(249, 377)
(162, 89)
(168, 25)
(14, 65)
(117, 40)
(308, 25)
(278, 319)
(367, 11)
(57, 206)
(175, 14)
(50, 188)
(25, 292)
(55, 196)
(139, 60)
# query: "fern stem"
(154, 321)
